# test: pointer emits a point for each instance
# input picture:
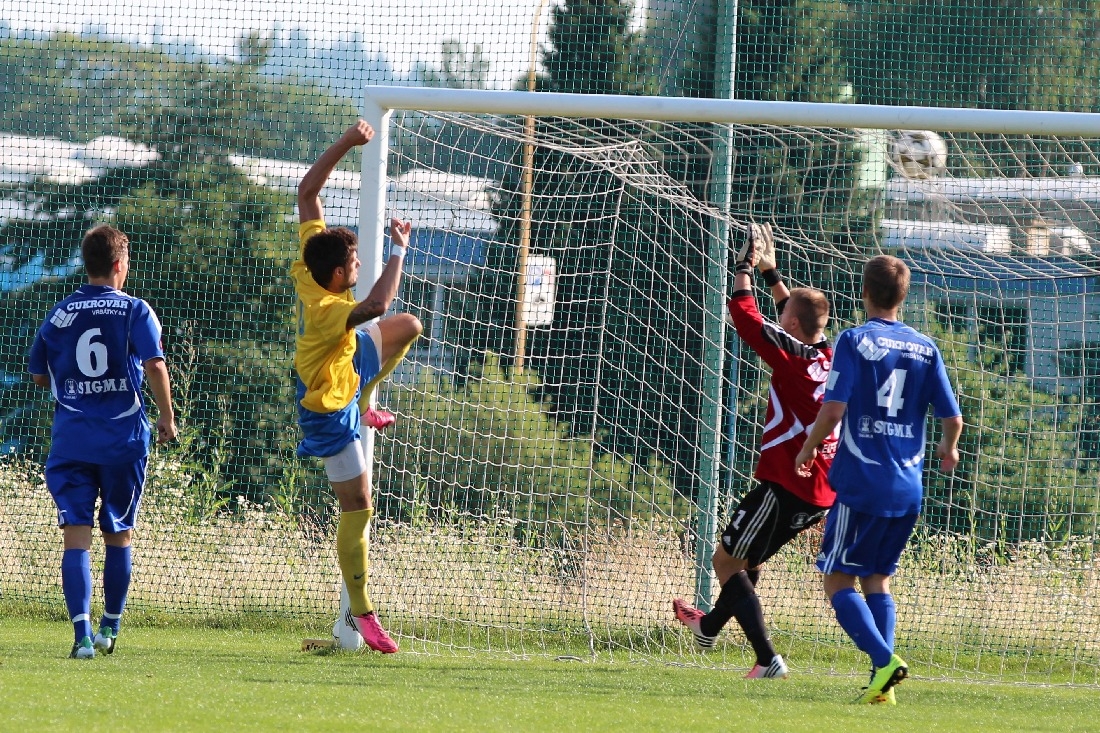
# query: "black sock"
(723, 609)
(754, 576)
(738, 600)
(718, 617)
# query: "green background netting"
(523, 507)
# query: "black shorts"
(767, 518)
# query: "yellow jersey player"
(340, 357)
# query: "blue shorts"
(862, 544)
(75, 486)
(327, 433)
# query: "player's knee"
(118, 539)
(413, 327)
(725, 564)
(401, 329)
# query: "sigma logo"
(61, 319)
(869, 427)
(74, 388)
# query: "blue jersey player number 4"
(884, 379)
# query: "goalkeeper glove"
(746, 255)
(765, 246)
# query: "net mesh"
(529, 498)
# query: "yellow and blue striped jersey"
(324, 345)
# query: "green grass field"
(216, 679)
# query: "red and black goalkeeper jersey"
(794, 399)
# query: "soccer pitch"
(168, 679)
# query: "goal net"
(577, 421)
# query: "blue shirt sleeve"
(842, 374)
(145, 332)
(944, 403)
(36, 359)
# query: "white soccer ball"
(920, 153)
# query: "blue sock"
(856, 619)
(117, 569)
(885, 613)
(76, 584)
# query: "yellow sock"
(351, 551)
(385, 371)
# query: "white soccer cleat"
(83, 649)
(105, 640)
(777, 670)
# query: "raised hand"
(746, 255)
(360, 133)
(399, 231)
(765, 246)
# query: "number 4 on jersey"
(889, 394)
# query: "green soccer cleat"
(105, 640)
(83, 649)
(886, 698)
(883, 681)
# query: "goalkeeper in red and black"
(783, 503)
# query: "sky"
(406, 31)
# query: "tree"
(452, 148)
(1004, 54)
(805, 184)
(91, 84)
(211, 251)
(1018, 479)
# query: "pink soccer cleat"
(690, 617)
(374, 635)
(378, 419)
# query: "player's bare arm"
(309, 189)
(381, 295)
(947, 450)
(42, 380)
(826, 422)
(156, 371)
